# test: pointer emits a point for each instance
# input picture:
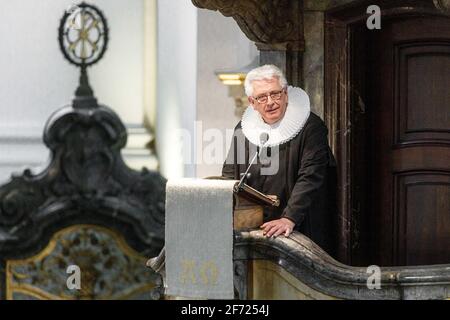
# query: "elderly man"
(296, 139)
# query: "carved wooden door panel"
(410, 174)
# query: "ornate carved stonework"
(109, 268)
(443, 5)
(86, 180)
(271, 24)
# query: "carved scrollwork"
(86, 175)
(271, 24)
(443, 5)
(15, 202)
(88, 143)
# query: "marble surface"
(313, 60)
(318, 271)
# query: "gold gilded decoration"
(109, 268)
(207, 272)
(188, 273)
(83, 34)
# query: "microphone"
(263, 138)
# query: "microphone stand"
(239, 185)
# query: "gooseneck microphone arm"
(246, 172)
(264, 137)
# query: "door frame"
(339, 65)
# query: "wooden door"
(409, 92)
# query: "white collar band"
(297, 112)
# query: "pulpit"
(201, 218)
(291, 267)
(248, 207)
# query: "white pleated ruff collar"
(297, 112)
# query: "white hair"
(267, 71)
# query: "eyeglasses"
(274, 95)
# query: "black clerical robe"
(305, 181)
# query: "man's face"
(272, 109)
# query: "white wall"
(221, 45)
(118, 78)
(36, 79)
(192, 45)
(177, 87)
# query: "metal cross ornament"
(83, 39)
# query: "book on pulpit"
(248, 206)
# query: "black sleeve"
(311, 174)
(229, 168)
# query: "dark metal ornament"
(83, 35)
(83, 39)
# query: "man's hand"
(277, 227)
